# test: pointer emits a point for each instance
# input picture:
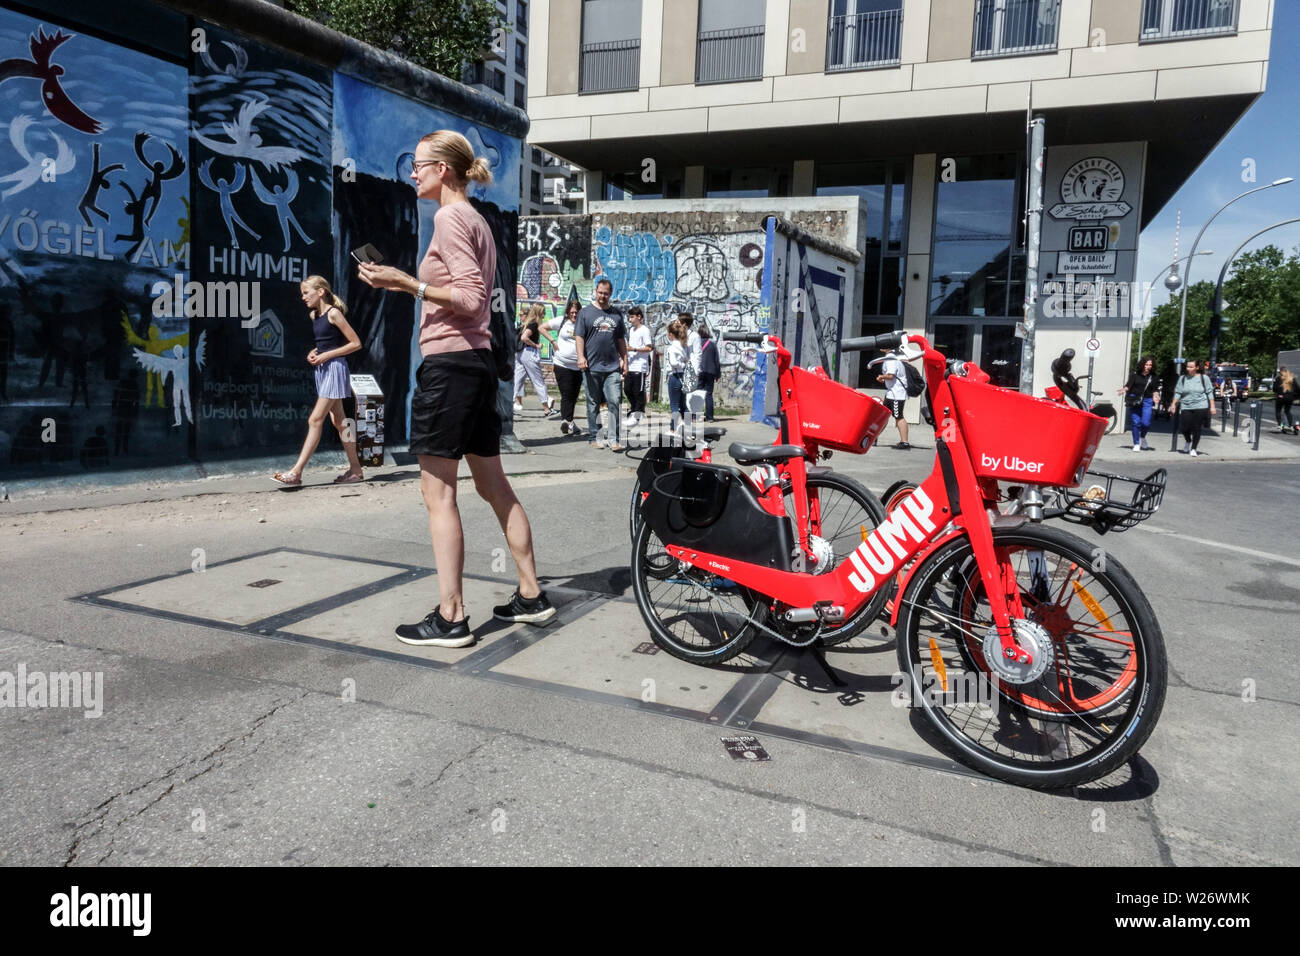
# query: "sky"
(1268, 134)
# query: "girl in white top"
(676, 360)
(565, 356)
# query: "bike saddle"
(753, 454)
(713, 433)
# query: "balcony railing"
(1180, 19)
(728, 56)
(610, 67)
(1009, 27)
(864, 40)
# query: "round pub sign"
(1092, 180)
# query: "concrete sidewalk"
(550, 452)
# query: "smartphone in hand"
(368, 253)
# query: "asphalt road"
(221, 746)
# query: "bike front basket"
(1016, 437)
(1115, 502)
(836, 416)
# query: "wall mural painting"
(261, 184)
(375, 134)
(715, 276)
(554, 266)
(94, 160)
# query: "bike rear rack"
(1113, 502)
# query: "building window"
(1180, 19)
(758, 181)
(862, 34)
(521, 98)
(977, 280)
(497, 81)
(535, 186)
(521, 59)
(521, 18)
(1008, 27)
(538, 158)
(882, 186)
(611, 46)
(729, 47)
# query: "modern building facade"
(548, 184)
(919, 107)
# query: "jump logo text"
(878, 556)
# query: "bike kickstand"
(818, 652)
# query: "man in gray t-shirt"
(601, 340)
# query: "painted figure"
(177, 365)
(280, 197)
(153, 345)
(158, 173)
(98, 181)
(235, 69)
(227, 188)
(52, 95)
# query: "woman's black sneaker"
(435, 631)
(525, 610)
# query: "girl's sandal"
(348, 478)
(287, 478)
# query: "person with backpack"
(1196, 397)
(528, 360)
(893, 373)
(710, 370)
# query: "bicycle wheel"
(692, 614)
(1086, 681)
(895, 493)
(1094, 691)
(634, 511)
(840, 512)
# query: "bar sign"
(1089, 239)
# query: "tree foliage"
(1262, 317)
(439, 35)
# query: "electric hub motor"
(823, 552)
(1031, 636)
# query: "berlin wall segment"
(164, 208)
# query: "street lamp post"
(1217, 319)
(1182, 320)
(1173, 283)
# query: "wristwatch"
(419, 292)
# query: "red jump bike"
(831, 513)
(1035, 662)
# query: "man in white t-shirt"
(894, 376)
(638, 364)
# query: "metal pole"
(1033, 243)
(1096, 307)
(1216, 320)
(1257, 412)
(1182, 320)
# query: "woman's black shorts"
(454, 408)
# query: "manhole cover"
(264, 583)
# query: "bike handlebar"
(867, 343)
(754, 338)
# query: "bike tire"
(693, 615)
(895, 494)
(1017, 742)
(1112, 422)
(844, 508)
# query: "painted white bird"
(235, 69)
(247, 144)
(37, 163)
